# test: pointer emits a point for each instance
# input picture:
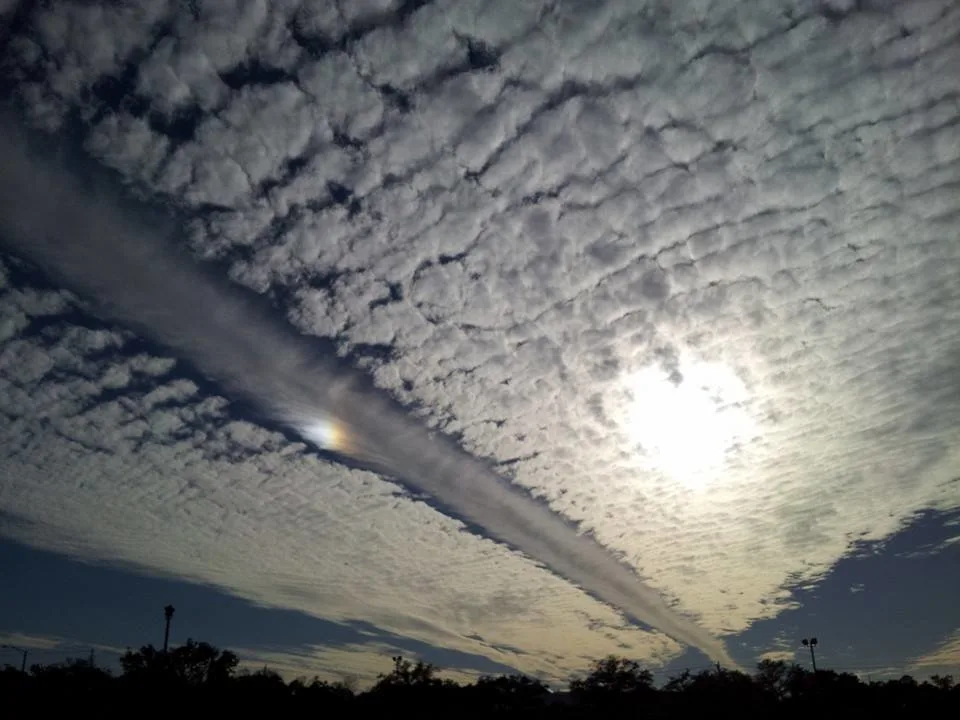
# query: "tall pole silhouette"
(167, 614)
(23, 655)
(811, 643)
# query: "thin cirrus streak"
(109, 254)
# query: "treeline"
(198, 679)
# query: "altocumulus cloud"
(119, 262)
(505, 221)
(113, 456)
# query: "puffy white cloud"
(757, 187)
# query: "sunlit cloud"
(687, 421)
(945, 657)
(687, 278)
(787, 656)
(327, 434)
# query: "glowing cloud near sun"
(326, 433)
(688, 428)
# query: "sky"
(502, 335)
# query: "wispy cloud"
(42, 643)
(357, 665)
(30, 642)
(945, 657)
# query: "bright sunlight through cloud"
(327, 433)
(687, 428)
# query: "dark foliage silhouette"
(197, 679)
(191, 665)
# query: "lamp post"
(23, 656)
(811, 643)
(167, 614)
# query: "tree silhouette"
(408, 674)
(508, 693)
(192, 664)
(614, 675)
(613, 686)
(73, 677)
(772, 676)
(942, 682)
(199, 679)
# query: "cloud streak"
(108, 253)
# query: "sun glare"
(687, 426)
(326, 433)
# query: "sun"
(687, 423)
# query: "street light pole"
(167, 614)
(811, 643)
(23, 657)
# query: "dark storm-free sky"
(686, 273)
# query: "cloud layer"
(945, 657)
(119, 263)
(114, 456)
(504, 221)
